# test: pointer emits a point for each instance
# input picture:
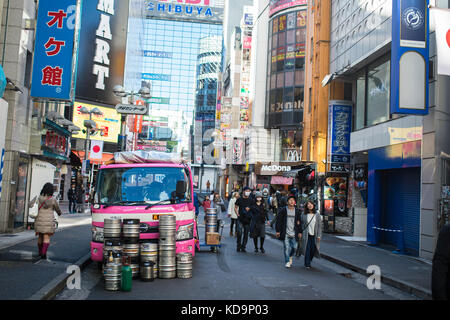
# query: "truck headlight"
(185, 232)
(97, 234)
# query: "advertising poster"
(103, 39)
(335, 190)
(301, 18)
(109, 122)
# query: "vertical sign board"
(410, 57)
(103, 38)
(339, 130)
(53, 50)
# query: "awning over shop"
(106, 157)
(281, 180)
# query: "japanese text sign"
(53, 52)
(339, 130)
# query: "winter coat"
(281, 223)
(259, 217)
(317, 233)
(71, 195)
(231, 210)
(45, 221)
(440, 276)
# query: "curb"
(396, 283)
(59, 283)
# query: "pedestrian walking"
(232, 213)
(312, 233)
(44, 223)
(196, 205)
(72, 196)
(288, 228)
(242, 207)
(258, 222)
(208, 185)
(440, 275)
(219, 205)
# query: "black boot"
(262, 246)
(255, 242)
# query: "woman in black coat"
(258, 222)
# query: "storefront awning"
(106, 157)
(281, 180)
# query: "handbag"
(33, 215)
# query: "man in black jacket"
(440, 277)
(71, 195)
(243, 211)
(289, 229)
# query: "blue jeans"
(290, 246)
(242, 234)
(72, 206)
(310, 250)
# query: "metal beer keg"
(112, 228)
(184, 265)
(130, 228)
(112, 275)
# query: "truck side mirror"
(181, 188)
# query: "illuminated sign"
(278, 5)
(190, 10)
(108, 123)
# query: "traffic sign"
(131, 109)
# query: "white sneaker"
(288, 264)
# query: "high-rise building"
(173, 31)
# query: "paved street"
(230, 275)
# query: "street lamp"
(90, 125)
(119, 91)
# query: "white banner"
(442, 23)
(96, 149)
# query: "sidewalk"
(409, 274)
(24, 275)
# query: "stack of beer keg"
(167, 246)
(149, 253)
(130, 231)
(112, 254)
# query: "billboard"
(210, 11)
(409, 57)
(53, 50)
(103, 38)
(109, 122)
(278, 5)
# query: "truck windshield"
(143, 185)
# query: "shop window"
(372, 94)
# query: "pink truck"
(144, 188)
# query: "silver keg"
(131, 250)
(184, 265)
(147, 272)
(130, 228)
(167, 246)
(211, 220)
(167, 225)
(113, 276)
(112, 247)
(112, 228)
(149, 251)
(135, 267)
(167, 272)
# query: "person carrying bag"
(44, 224)
(312, 234)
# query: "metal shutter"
(401, 206)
